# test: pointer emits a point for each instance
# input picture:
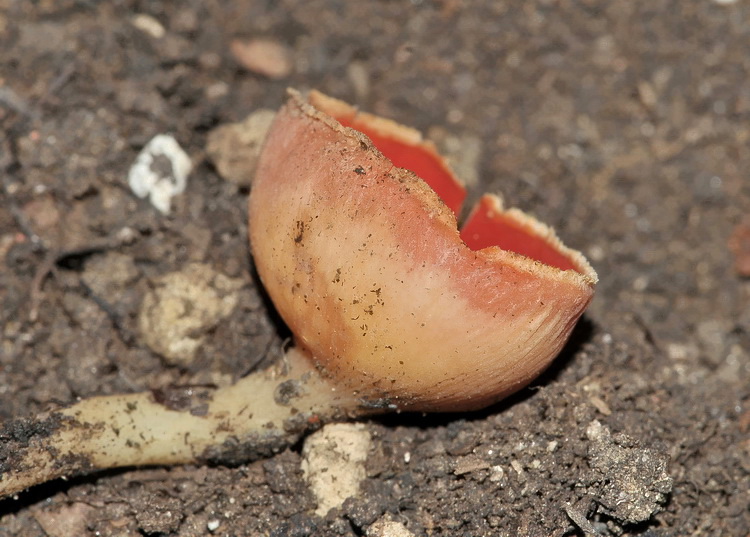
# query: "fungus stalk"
(256, 417)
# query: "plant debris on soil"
(624, 125)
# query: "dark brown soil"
(625, 125)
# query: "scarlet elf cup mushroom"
(366, 265)
(354, 233)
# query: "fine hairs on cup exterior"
(354, 233)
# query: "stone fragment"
(181, 309)
(234, 148)
(64, 520)
(265, 57)
(333, 462)
(385, 527)
(634, 480)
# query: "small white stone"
(126, 235)
(333, 462)
(596, 432)
(517, 466)
(496, 473)
(149, 25)
(388, 528)
(213, 525)
(160, 171)
(597, 253)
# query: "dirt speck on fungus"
(15, 436)
(624, 127)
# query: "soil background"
(624, 125)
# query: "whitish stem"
(260, 415)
